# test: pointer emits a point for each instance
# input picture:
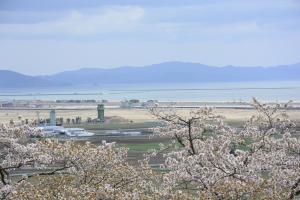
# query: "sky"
(45, 37)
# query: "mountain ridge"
(167, 72)
(12, 79)
(177, 72)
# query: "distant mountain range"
(11, 79)
(168, 72)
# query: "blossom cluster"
(259, 160)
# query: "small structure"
(131, 103)
(100, 109)
(6, 105)
(52, 118)
(134, 101)
(125, 104)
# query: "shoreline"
(86, 105)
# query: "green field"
(144, 147)
(113, 126)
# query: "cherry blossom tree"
(212, 160)
(16, 152)
(68, 170)
(87, 172)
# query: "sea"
(267, 91)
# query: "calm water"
(235, 91)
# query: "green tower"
(100, 109)
(52, 118)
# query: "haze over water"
(217, 92)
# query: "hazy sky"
(48, 36)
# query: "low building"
(6, 105)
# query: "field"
(135, 119)
(138, 115)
